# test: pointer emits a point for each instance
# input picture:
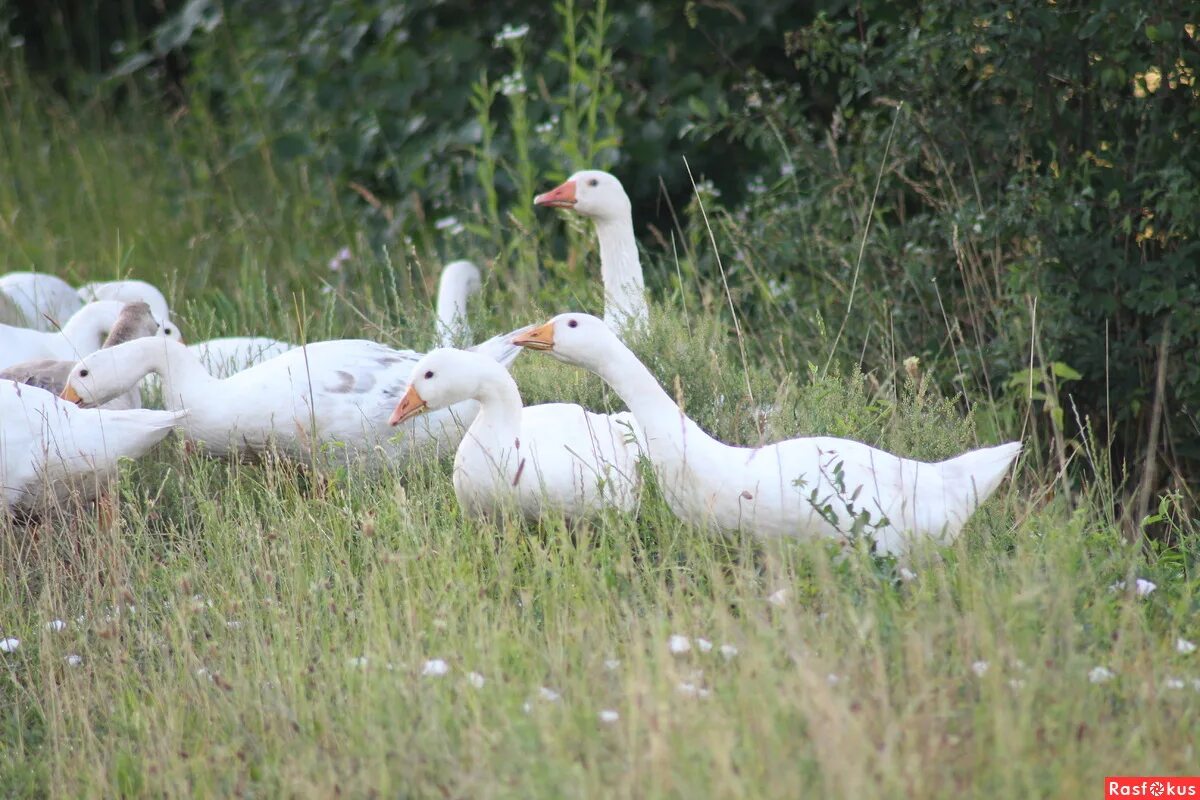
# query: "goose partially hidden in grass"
(50, 450)
(335, 394)
(556, 457)
(600, 197)
(809, 487)
(133, 322)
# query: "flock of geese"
(72, 376)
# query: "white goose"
(45, 301)
(810, 487)
(134, 322)
(552, 457)
(600, 197)
(133, 291)
(50, 449)
(82, 334)
(231, 354)
(336, 393)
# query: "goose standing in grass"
(600, 197)
(336, 394)
(132, 291)
(83, 333)
(809, 487)
(50, 449)
(45, 301)
(545, 458)
(134, 322)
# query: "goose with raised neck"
(556, 457)
(333, 395)
(600, 197)
(458, 281)
(45, 301)
(809, 487)
(134, 291)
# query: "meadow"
(270, 629)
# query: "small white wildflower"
(200, 602)
(907, 574)
(547, 127)
(779, 598)
(1016, 683)
(689, 689)
(729, 651)
(9, 645)
(203, 673)
(775, 288)
(980, 668)
(56, 625)
(1101, 675)
(549, 695)
(611, 664)
(704, 645)
(977, 228)
(608, 715)
(445, 222)
(73, 660)
(340, 259)
(787, 169)
(475, 679)
(359, 662)
(679, 645)
(833, 679)
(81, 619)
(435, 668)
(512, 84)
(233, 624)
(1184, 646)
(1173, 683)
(527, 707)
(327, 289)
(707, 188)
(509, 33)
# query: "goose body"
(809, 487)
(133, 322)
(556, 457)
(45, 301)
(232, 354)
(600, 197)
(83, 333)
(49, 449)
(336, 394)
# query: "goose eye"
(572, 323)
(594, 182)
(167, 331)
(83, 373)
(429, 375)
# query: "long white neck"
(668, 431)
(85, 330)
(181, 371)
(452, 313)
(499, 421)
(621, 270)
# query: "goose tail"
(501, 347)
(975, 475)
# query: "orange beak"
(540, 338)
(562, 196)
(410, 406)
(70, 395)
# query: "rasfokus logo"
(1151, 786)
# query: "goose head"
(593, 193)
(578, 339)
(440, 379)
(104, 374)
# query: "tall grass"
(265, 629)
